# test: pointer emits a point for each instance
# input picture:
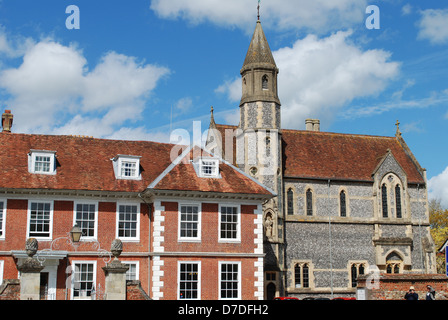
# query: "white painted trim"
(128, 203)
(88, 202)
(41, 153)
(239, 279)
(50, 237)
(199, 222)
(238, 231)
(199, 278)
(94, 262)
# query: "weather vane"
(258, 9)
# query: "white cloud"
(53, 91)
(434, 26)
(438, 188)
(232, 88)
(319, 76)
(13, 47)
(406, 9)
(183, 105)
(317, 15)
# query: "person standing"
(411, 294)
(431, 294)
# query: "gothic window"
(398, 200)
(343, 203)
(309, 202)
(393, 263)
(384, 200)
(265, 82)
(301, 276)
(356, 270)
(391, 195)
(290, 202)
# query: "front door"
(44, 285)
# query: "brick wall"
(209, 251)
(10, 290)
(395, 286)
(16, 226)
(134, 291)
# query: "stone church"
(345, 205)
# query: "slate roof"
(86, 164)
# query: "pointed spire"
(212, 119)
(259, 51)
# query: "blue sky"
(134, 70)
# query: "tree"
(438, 219)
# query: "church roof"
(350, 157)
(259, 52)
(323, 155)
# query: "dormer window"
(127, 167)
(42, 162)
(207, 167)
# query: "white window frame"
(95, 228)
(30, 202)
(2, 266)
(3, 223)
(238, 223)
(117, 229)
(220, 280)
(73, 277)
(198, 263)
(199, 223)
(120, 160)
(201, 163)
(137, 268)
(42, 153)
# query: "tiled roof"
(310, 154)
(85, 164)
(231, 179)
(324, 155)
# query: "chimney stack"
(7, 119)
(312, 125)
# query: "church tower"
(260, 128)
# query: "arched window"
(356, 271)
(301, 276)
(309, 202)
(265, 82)
(343, 203)
(290, 201)
(391, 194)
(393, 263)
(398, 200)
(384, 200)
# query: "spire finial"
(398, 128)
(212, 118)
(258, 10)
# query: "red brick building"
(191, 224)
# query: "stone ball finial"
(116, 248)
(31, 247)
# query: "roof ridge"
(85, 137)
(337, 133)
